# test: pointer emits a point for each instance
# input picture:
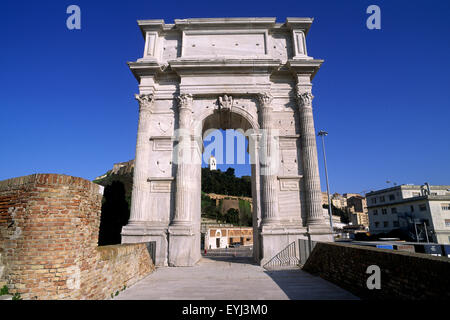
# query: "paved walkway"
(231, 279)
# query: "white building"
(420, 211)
(212, 163)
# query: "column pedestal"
(275, 239)
(320, 232)
(184, 251)
(137, 232)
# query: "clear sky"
(67, 105)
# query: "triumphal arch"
(252, 74)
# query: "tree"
(232, 216)
(219, 182)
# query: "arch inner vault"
(232, 73)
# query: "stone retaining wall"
(404, 275)
(49, 227)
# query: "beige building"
(421, 211)
(357, 210)
(338, 201)
(222, 237)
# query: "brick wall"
(49, 227)
(404, 275)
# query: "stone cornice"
(304, 66)
(224, 63)
(197, 23)
(144, 68)
(299, 23)
(201, 23)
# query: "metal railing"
(285, 258)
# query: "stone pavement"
(225, 278)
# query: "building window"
(382, 199)
(396, 224)
(447, 222)
(377, 224)
(416, 194)
(412, 208)
(386, 224)
(384, 211)
(423, 207)
(445, 206)
(394, 210)
(375, 212)
(391, 197)
(374, 200)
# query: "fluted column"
(311, 177)
(182, 216)
(269, 162)
(140, 185)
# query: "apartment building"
(421, 212)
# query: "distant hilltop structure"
(121, 168)
(212, 163)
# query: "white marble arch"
(229, 73)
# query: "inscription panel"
(224, 44)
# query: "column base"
(275, 239)
(320, 232)
(137, 232)
(184, 251)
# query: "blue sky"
(67, 105)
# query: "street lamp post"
(323, 134)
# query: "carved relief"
(164, 126)
(289, 162)
(164, 166)
(285, 126)
(160, 185)
(288, 143)
(225, 102)
(160, 144)
(289, 184)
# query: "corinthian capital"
(304, 98)
(185, 100)
(145, 101)
(265, 99)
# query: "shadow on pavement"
(300, 285)
(230, 259)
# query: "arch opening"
(233, 205)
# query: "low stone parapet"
(403, 275)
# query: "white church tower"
(212, 163)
